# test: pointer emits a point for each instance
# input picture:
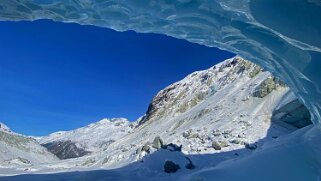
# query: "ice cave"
(282, 36)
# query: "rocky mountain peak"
(187, 93)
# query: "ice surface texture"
(282, 36)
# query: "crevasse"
(282, 36)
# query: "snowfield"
(254, 166)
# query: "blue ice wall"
(283, 36)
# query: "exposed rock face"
(184, 95)
(293, 113)
(65, 149)
(267, 86)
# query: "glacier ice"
(282, 36)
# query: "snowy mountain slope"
(217, 105)
(20, 151)
(216, 111)
(92, 138)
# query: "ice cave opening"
(285, 42)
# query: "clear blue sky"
(56, 76)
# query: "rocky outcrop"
(65, 149)
(267, 86)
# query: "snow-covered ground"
(220, 114)
(257, 165)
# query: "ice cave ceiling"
(282, 36)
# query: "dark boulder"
(171, 167)
(173, 147)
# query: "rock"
(256, 70)
(186, 134)
(171, 167)
(236, 141)
(216, 145)
(251, 146)
(173, 147)
(23, 160)
(194, 135)
(124, 150)
(157, 143)
(89, 162)
(189, 134)
(106, 160)
(217, 134)
(224, 144)
(146, 148)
